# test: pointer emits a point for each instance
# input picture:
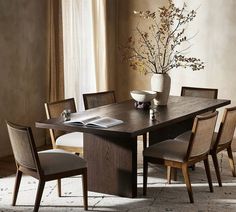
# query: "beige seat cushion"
(173, 150)
(56, 161)
(74, 139)
(185, 137)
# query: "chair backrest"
(202, 133)
(211, 93)
(92, 100)
(227, 126)
(23, 146)
(54, 109)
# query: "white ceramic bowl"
(143, 95)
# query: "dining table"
(111, 153)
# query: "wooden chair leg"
(174, 174)
(208, 173)
(231, 160)
(217, 169)
(85, 190)
(187, 182)
(145, 171)
(39, 195)
(17, 185)
(144, 141)
(168, 172)
(171, 174)
(193, 167)
(59, 187)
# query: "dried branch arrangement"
(157, 48)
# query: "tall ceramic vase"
(161, 84)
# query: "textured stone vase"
(161, 84)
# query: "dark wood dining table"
(111, 153)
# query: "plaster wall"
(215, 44)
(215, 29)
(127, 79)
(23, 63)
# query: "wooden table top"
(137, 121)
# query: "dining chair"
(210, 93)
(180, 155)
(222, 140)
(92, 100)
(72, 142)
(45, 165)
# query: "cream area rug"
(160, 195)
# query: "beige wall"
(126, 79)
(23, 62)
(215, 43)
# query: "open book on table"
(96, 121)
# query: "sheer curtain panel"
(84, 47)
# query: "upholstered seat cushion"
(185, 137)
(57, 161)
(74, 139)
(173, 150)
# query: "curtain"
(100, 46)
(84, 48)
(55, 52)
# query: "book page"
(104, 122)
(82, 121)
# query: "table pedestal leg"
(112, 164)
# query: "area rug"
(160, 195)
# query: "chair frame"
(200, 89)
(85, 96)
(218, 148)
(183, 165)
(47, 106)
(39, 174)
(183, 88)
